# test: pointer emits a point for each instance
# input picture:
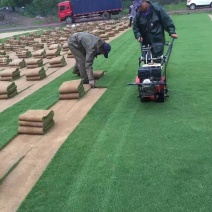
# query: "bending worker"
(85, 47)
(149, 24)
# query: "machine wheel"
(143, 99)
(161, 97)
(69, 20)
(192, 6)
(106, 15)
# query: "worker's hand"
(174, 36)
(140, 39)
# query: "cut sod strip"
(132, 156)
(24, 148)
(37, 151)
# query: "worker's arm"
(90, 56)
(167, 23)
(136, 29)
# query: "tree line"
(49, 7)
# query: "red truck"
(69, 11)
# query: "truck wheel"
(106, 15)
(69, 20)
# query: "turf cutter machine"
(151, 78)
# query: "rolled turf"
(132, 156)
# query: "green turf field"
(132, 156)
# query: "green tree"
(47, 7)
(15, 3)
(22, 3)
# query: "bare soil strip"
(39, 150)
(32, 153)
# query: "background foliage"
(37, 7)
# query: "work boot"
(92, 83)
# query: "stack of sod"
(50, 42)
(52, 53)
(4, 61)
(55, 46)
(17, 63)
(98, 74)
(34, 63)
(2, 52)
(95, 32)
(65, 47)
(69, 54)
(7, 90)
(55, 36)
(35, 74)
(73, 89)
(120, 27)
(111, 33)
(31, 42)
(18, 48)
(1, 46)
(37, 46)
(104, 36)
(24, 42)
(23, 53)
(116, 30)
(9, 74)
(7, 48)
(57, 62)
(36, 122)
(63, 39)
(102, 31)
(39, 53)
(35, 35)
(44, 38)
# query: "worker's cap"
(107, 49)
(138, 3)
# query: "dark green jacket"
(151, 28)
(88, 44)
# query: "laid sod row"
(41, 99)
(132, 156)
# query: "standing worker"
(150, 22)
(85, 47)
(132, 13)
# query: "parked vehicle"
(193, 4)
(69, 11)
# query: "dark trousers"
(130, 23)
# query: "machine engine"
(151, 72)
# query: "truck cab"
(65, 11)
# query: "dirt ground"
(14, 19)
(10, 34)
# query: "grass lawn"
(131, 156)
